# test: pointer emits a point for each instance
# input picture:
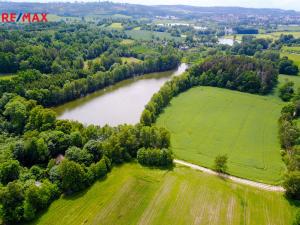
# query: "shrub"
(155, 157)
(221, 163)
(292, 184)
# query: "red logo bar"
(24, 17)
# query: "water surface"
(117, 104)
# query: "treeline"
(289, 135)
(245, 30)
(57, 93)
(47, 157)
(233, 72)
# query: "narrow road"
(233, 178)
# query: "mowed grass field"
(292, 56)
(273, 35)
(132, 194)
(296, 79)
(205, 122)
(6, 76)
(146, 35)
(117, 26)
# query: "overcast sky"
(283, 4)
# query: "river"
(118, 104)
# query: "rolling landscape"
(121, 113)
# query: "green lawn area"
(273, 35)
(291, 49)
(146, 35)
(6, 76)
(56, 18)
(292, 56)
(130, 60)
(117, 26)
(132, 194)
(207, 121)
(127, 42)
(295, 79)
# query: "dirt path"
(235, 179)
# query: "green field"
(295, 79)
(207, 121)
(130, 60)
(127, 42)
(181, 196)
(273, 35)
(146, 35)
(294, 57)
(117, 26)
(6, 76)
(291, 49)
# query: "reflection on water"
(118, 104)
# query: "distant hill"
(108, 8)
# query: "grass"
(130, 60)
(273, 35)
(295, 79)
(127, 42)
(144, 49)
(6, 76)
(205, 122)
(291, 49)
(56, 18)
(117, 26)
(132, 194)
(292, 56)
(146, 35)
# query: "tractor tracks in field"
(259, 185)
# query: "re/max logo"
(24, 17)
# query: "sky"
(282, 4)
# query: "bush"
(99, 169)
(9, 171)
(292, 184)
(286, 91)
(155, 157)
(287, 66)
(221, 163)
(72, 175)
(79, 155)
(297, 218)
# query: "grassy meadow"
(207, 121)
(273, 35)
(130, 60)
(292, 56)
(127, 42)
(146, 35)
(296, 79)
(6, 76)
(181, 196)
(117, 26)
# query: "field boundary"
(232, 178)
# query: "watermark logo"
(23, 17)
